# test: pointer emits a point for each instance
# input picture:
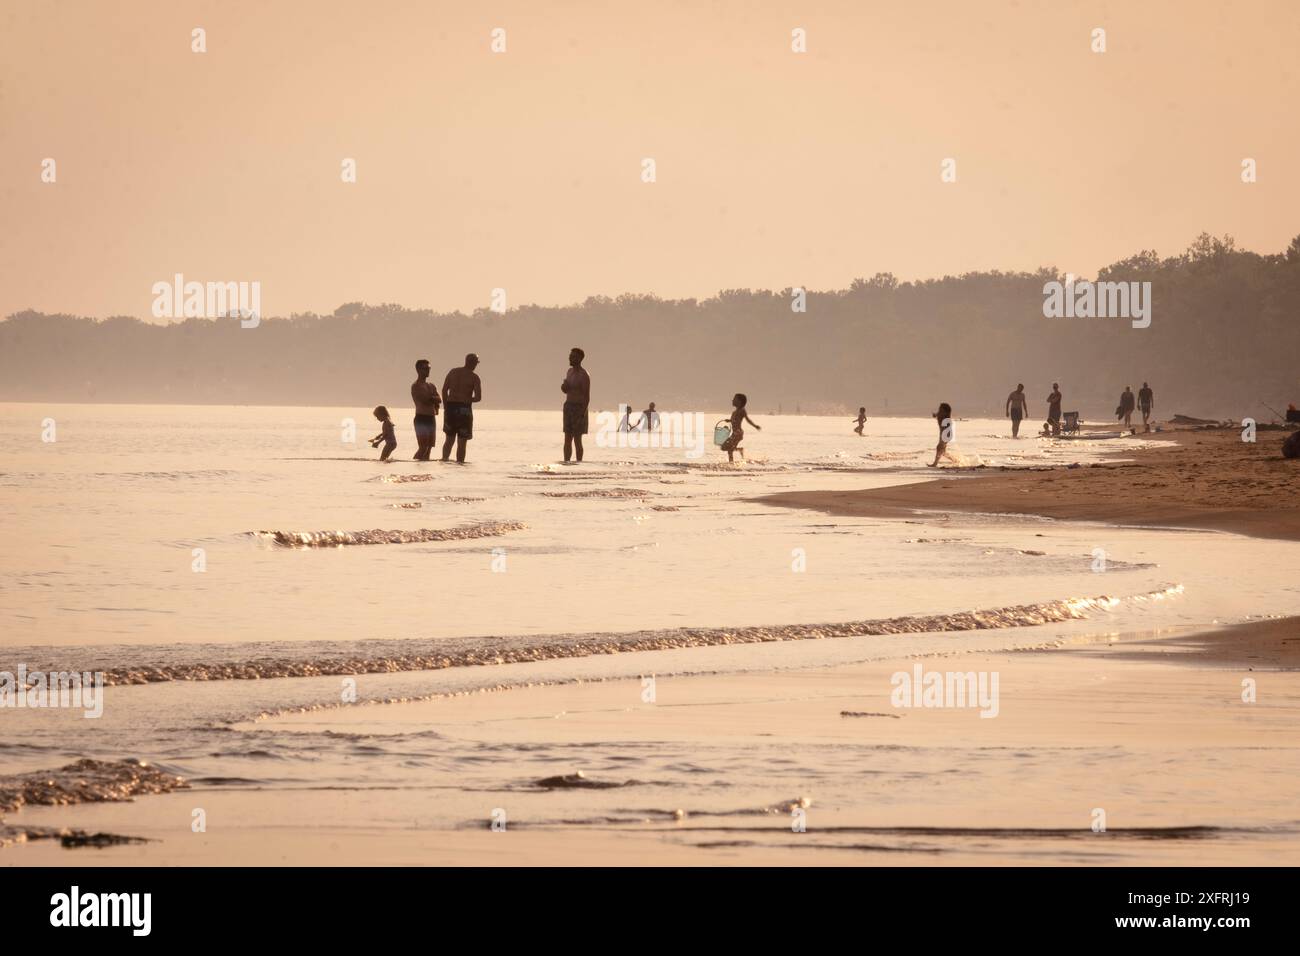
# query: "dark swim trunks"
(426, 424)
(458, 419)
(575, 418)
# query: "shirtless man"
(577, 396)
(1146, 401)
(460, 390)
(425, 396)
(1017, 408)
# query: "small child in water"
(861, 420)
(738, 416)
(387, 435)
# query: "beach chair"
(1071, 424)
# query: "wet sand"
(1154, 733)
(1200, 478)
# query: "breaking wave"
(339, 539)
(86, 781)
(414, 655)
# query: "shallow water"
(319, 560)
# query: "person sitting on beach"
(861, 420)
(387, 435)
(944, 417)
(738, 417)
(1054, 409)
(1017, 408)
(460, 390)
(577, 396)
(1146, 402)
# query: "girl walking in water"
(944, 417)
(738, 416)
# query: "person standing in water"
(577, 397)
(944, 417)
(738, 417)
(861, 420)
(387, 434)
(425, 396)
(1017, 408)
(649, 417)
(1146, 402)
(1054, 409)
(460, 390)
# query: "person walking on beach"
(1126, 405)
(738, 417)
(861, 420)
(577, 396)
(1017, 408)
(1054, 410)
(944, 417)
(425, 396)
(1146, 402)
(460, 390)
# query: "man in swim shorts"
(425, 396)
(460, 390)
(1017, 408)
(577, 397)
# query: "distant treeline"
(1224, 336)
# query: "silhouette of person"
(460, 390)
(386, 434)
(1054, 409)
(738, 417)
(1126, 405)
(425, 396)
(944, 417)
(1017, 408)
(1146, 402)
(577, 397)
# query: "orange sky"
(522, 170)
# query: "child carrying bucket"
(729, 437)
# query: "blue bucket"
(721, 432)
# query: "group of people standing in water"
(462, 390)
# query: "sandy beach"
(1195, 478)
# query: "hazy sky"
(522, 170)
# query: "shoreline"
(1074, 734)
(1202, 478)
